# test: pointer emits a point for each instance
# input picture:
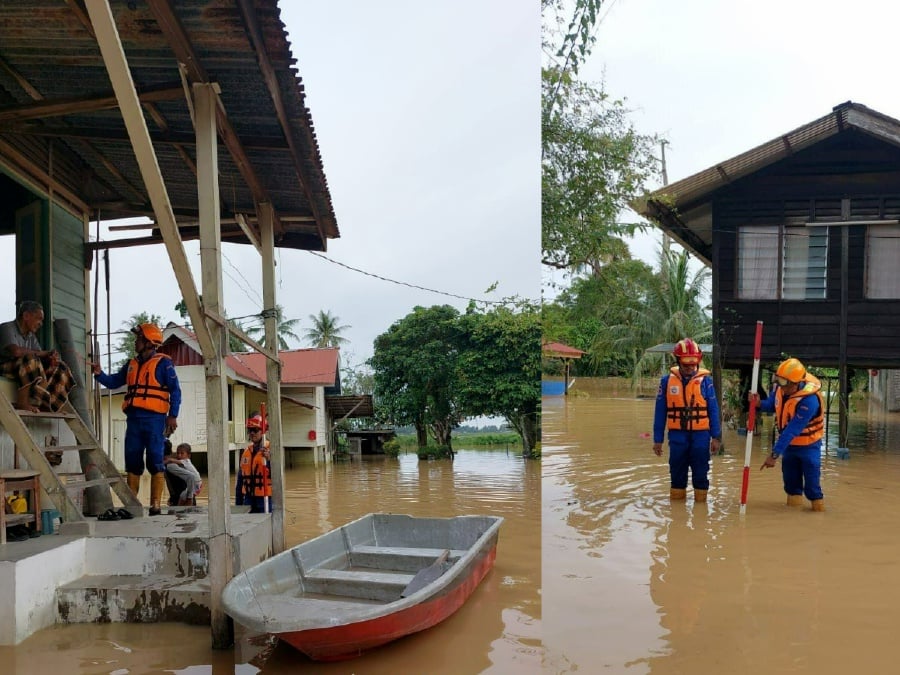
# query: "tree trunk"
(421, 435)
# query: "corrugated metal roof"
(313, 367)
(682, 208)
(58, 115)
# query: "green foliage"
(325, 331)
(435, 452)
(415, 364)
(594, 164)
(435, 367)
(392, 447)
(500, 367)
(671, 309)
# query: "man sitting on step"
(44, 380)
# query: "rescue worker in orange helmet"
(253, 486)
(687, 408)
(800, 419)
(152, 403)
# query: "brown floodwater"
(635, 584)
(497, 631)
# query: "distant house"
(803, 234)
(306, 376)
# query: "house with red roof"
(306, 376)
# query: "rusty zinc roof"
(683, 208)
(60, 125)
(299, 367)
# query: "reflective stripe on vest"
(144, 390)
(256, 480)
(686, 408)
(786, 409)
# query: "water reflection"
(633, 583)
(496, 631)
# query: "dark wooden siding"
(844, 180)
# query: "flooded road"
(497, 631)
(635, 584)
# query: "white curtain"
(758, 262)
(883, 261)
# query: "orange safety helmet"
(150, 332)
(687, 351)
(255, 421)
(790, 370)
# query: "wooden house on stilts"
(802, 233)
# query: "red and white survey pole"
(751, 416)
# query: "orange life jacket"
(686, 408)
(256, 478)
(144, 390)
(786, 409)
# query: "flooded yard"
(635, 584)
(497, 631)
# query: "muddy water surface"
(496, 631)
(635, 584)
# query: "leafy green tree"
(671, 310)
(284, 329)
(499, 368)
(325, 331)
(593, 165)
(581, 314)
(415, 365)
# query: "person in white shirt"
(181, 466)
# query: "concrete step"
(104, 598)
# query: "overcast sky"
(427, 116)
(718, 78)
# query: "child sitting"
(180, 466)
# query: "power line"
(404, 283)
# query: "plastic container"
(50, 521)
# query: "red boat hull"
(348, 641)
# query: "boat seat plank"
(403, 558)
(369, 585)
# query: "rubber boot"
(134, 482)
(818, 504)
(157, 483)
(795, 500)
(677, 493)
(700, 495)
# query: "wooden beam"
(117, 66)
(83, 104)
(273, 375)
(220, 529)
(41, 178)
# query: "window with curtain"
(802, 253)
(882, 255)
(758, 262)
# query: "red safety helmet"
(687, 352)
(150, 332)
(255, 422)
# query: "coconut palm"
(670, 311)
(325, 331)
(284, 328)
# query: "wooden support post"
(220, 549)
(273, 374)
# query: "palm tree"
(670, 311)
(325, 331)
(284, 328)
